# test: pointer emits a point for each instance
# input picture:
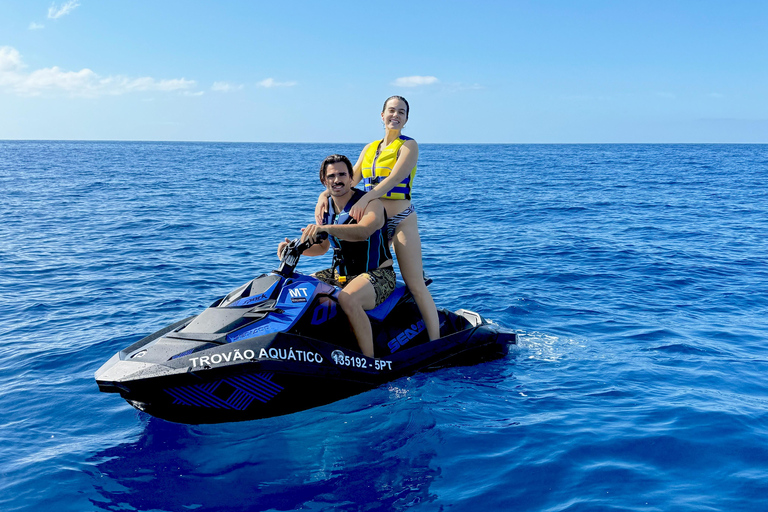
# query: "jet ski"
(281, 343)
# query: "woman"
(387, 168)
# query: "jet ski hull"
(276, 374)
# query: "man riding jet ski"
(362, 263)
(280, 343)
(284, 342)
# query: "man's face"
(337, 179)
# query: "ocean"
(635, 277)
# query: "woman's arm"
(406, 161)
(357, 169)
(321, 208)
(372, 220)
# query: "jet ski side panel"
(257, 378)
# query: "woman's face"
(395, 114)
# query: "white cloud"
(36, 26)
(270, 82)
(414, 81)
(10, 60)
(15, 79)
(225, 87)
(67, 7)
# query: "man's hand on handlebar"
(313, 234)
(281, 247)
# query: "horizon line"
(363, 143)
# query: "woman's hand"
(321, 208)
(358, 209)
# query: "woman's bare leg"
(407, 243)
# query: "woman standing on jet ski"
(387, 168)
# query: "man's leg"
(326, 276)
(357, 297)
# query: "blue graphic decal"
(323, 312)
(255, 299)
(406, 336)
(293, 300)
(235, 393)
(296, 292)
(185, 353)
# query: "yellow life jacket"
(377, 165)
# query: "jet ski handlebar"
(293, 250)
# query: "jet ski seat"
(381, 311)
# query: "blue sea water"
(635, 276)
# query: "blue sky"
(508, 71)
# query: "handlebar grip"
(295, 245)
(290, 255)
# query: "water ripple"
(633, 275)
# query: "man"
(362, 263)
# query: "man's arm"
(315, 250)
(318, 249)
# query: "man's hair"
(407, 107)
(334, 159)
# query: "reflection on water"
(337, 463)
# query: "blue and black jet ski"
(280, 343)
